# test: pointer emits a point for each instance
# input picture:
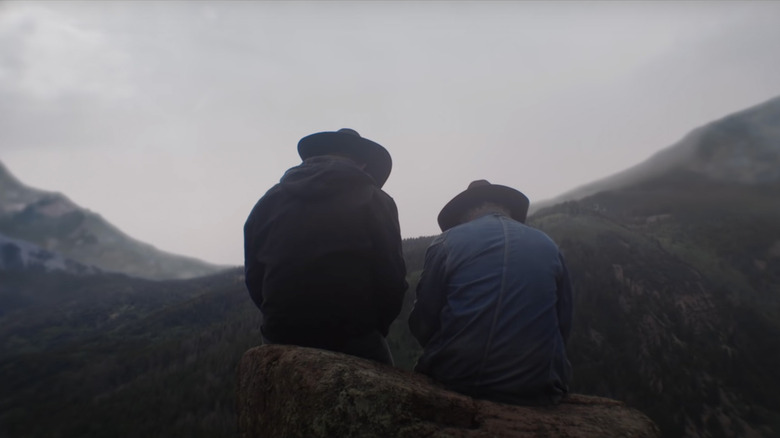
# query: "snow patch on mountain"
(56, 206)
(58, 225)
(21, 255)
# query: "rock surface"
(286, 391)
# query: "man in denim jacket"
(494, 303)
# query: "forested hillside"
(164, 370)
(677, 310)
(668, 337)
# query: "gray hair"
(484, 209)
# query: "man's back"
(502, 322)
(323, 256)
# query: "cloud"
(196, 107)
(48, 55)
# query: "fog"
(170, 119)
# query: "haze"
(170, 119)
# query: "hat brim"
(452, 213)
(377, 159)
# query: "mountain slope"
(19, 255)
(741, 147)
(683, 335)
(164, 366)
(53, 222)
(677, 264)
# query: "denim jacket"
(494, 310)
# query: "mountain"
(53, 222)
(677, 265)
(743, 147)
(20, 255)
(668, 321)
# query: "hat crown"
(479, 183)
(349, 131)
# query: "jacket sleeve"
(254, 271)
(565, 305)
(389, 266)
(424, 321)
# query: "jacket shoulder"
(265, 201)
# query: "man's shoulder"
(469, 235)
(527, 228)
(381, 194)
(268, 200)
(274, 192)
(539, 238)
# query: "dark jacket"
(494, 311)
(322, 255)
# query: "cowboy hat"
(348, 142)
(482, 191)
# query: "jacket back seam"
(501, 293)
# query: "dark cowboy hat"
(482, 191)
(348, 142)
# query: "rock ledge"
(286, 391)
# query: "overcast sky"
(170, 119)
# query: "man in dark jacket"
(494, 303)
(322, 249)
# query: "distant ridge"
(55, 223)
(741, 147)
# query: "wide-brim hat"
(478, 192)
(348, 142)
